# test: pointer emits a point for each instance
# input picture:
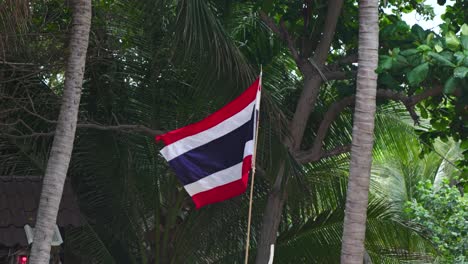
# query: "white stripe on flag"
(188, 143)
(219, 178)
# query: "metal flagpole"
(254, 155)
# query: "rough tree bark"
(352, 250)
(62, 145)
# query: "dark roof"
(19, 199)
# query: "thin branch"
(32, 135)
(36, 114)
(17, 63)
(283, 34)
(336, 151)
(427, 93)
(316, 152)
(305, 157)
(119, 128)
(124, 128)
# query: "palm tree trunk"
(352, 250)
(62, 145)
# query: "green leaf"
(464, 30)
(441, 59)
(460, 72)
(450, 85)
(429, 38)
(402, 60)
(459, 56)
(418, 74)
(385, 63)
(394, 52)
(424, 48)
(438, 48)
(452, 41)
(409, 52)
(418, 31)
(464, 41)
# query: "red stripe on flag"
(226, 191)
(212, 120)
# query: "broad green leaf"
(418, 74)
(394, 52)
(459, 56)
(400, 61)
(452, 41)
(441, 59)
(424, 48)
(464, 41)
(409, 52)
(450, 85)
(464, 30)
(438, 48)
(460, 72)
(385, 62)
(418, 31)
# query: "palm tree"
(352, 250)
(135, 210)
(62, 146)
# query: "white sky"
(413, 18)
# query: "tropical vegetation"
(154, 66)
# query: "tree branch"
(306, 157)
(333, 13)
(338, 75)
(16, 63)
(124, 128)
(283, 34)
(316, 152)
(312, 77)
(119, 128)
(348, 59)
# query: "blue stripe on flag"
(217, 155)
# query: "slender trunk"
(352, 250)
(62, 145)
(271, 218)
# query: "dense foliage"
(434, 61)
(163, 64)
(443, 212)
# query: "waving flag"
(212, 158)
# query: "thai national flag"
(212, 158)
